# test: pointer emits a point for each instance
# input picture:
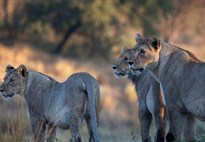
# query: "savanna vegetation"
(61, 37)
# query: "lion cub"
(150, 103)
(52, 104)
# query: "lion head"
(145, 54)
(14, 81)
(121, 66)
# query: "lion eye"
(11, 81)
(141, 52)
(125, 59)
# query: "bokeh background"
(61, 37)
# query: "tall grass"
(13, 123)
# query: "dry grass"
(13, 121)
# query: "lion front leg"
(189, 128)
(145, 118)
(75, 135)
(159, 119)
(176, 119)
(38, 128)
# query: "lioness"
(150, 103)
(181, 76)
(52, 104)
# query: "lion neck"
(134, 77)
(37, 82)
(137, 78)
(170, 61)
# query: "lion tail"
(93, 92)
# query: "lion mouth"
(137, 69)
(120, 74)
(8, 96)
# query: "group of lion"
(165, 76)
(153, 64)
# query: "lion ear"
(137, 37)
(22, 71)
(9, 68)
(123, 49)
(154, 42)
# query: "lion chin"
(7, 97)
(119, 75)
(136, 69)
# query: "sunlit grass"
(13, 121)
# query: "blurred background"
(61, 37)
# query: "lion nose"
(130, 62)
(114, 67)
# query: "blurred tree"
(63, 16)
(66, 17)
(146, 14)
(97, 25)
(5, 11)
(173, 23)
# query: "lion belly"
(194, 97)
(197, 107)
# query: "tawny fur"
(181, 76)
(150, 105)
(52, 104)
